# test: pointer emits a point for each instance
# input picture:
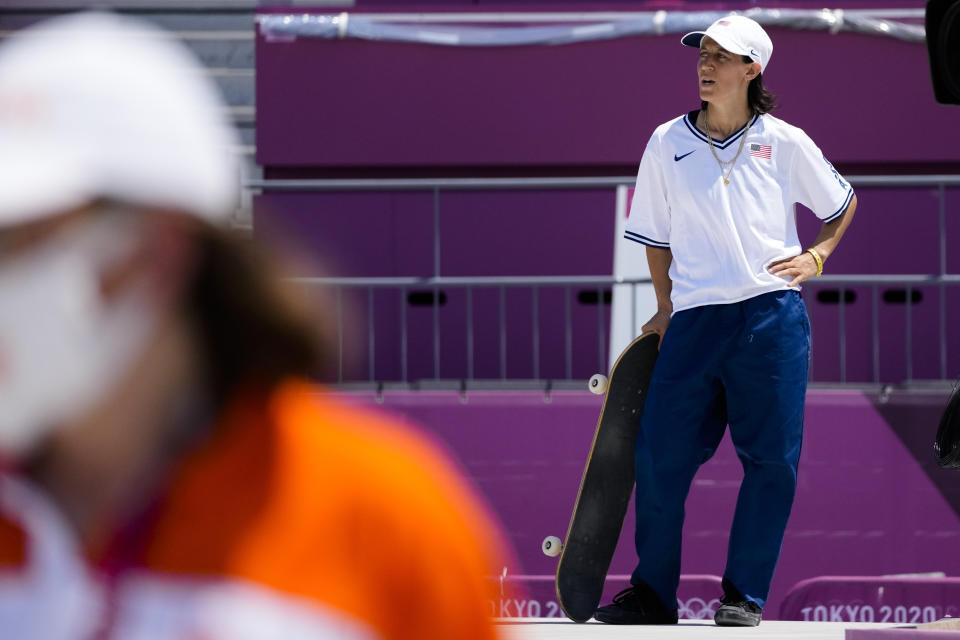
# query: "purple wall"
(580, 5)
(881, 216)
(571, 233)
(378, 104)
(870, 500)
(482, 234)
(373, 108)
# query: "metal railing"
(442, 286)
(438, 185)
(942, 281)
(468, 284)
(909, 283)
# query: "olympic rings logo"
(697, 609)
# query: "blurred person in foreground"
(169, 470)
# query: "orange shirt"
(324, 504)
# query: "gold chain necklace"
(706, 124)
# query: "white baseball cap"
(739, 35)
(94, 105)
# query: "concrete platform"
(556, 629)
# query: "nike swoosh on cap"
(677, 158)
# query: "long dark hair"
(252, 328)
(759, 98)
(252, 334)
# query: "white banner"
(633, 304)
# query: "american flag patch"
(760, 151)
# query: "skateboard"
(607, 482)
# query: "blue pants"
(745, 364)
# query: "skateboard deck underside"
(607, 483)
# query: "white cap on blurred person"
(739, 35)
(94, 108)
(94, 105)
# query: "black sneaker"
(745, 613)
(637, 604)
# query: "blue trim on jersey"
(843, 209)
(636, 237)
(719, 144)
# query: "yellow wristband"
(816, 256)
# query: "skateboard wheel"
(598, 384)
(552, 546)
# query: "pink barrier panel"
(872, 599)
(871, 500)
(698, 596)
(900, 634)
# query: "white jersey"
(723, 237)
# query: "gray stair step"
(171, 21)
(227, 48)
(219, 32)
(236, 86)
(221, 49)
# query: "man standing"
(714, 205)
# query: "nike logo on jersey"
(677, 158)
